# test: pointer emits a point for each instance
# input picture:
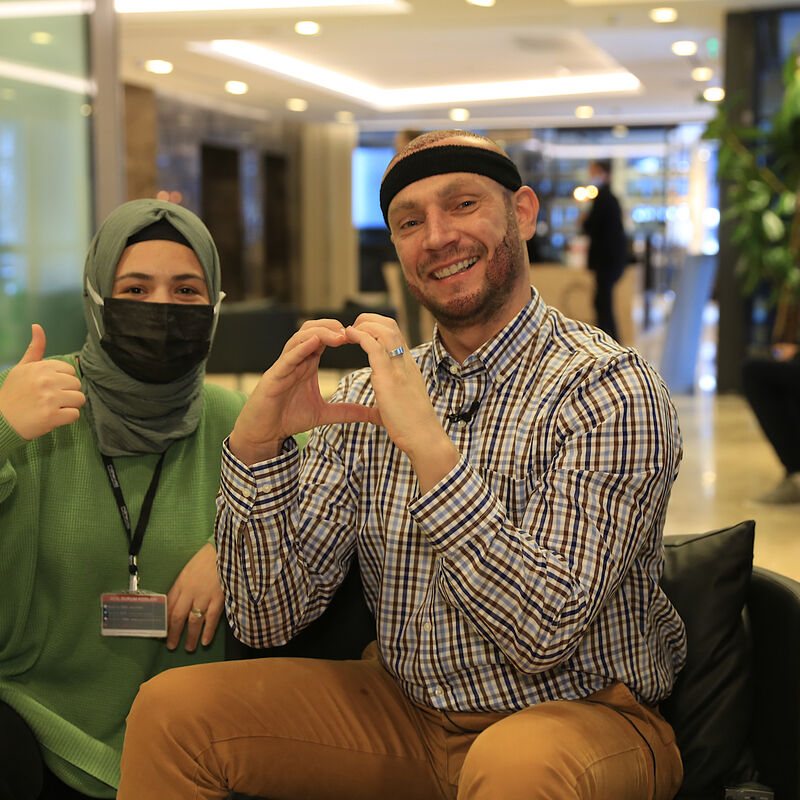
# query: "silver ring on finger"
(398, 351)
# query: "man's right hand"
(287, 399)
(38, 396)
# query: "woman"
(109, 466)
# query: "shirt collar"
(499, 356)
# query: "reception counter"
(571, 291)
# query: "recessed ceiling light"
(619, 131)
(378, 97)
(584, 112)
(459, 114)
(236, 87)
(307, 27)
(41, 37)
(158, 66)
(684, 48)
(343, 116)
(663, 14)
(483, 3)
(714, 94)
(701, 74)
(296, 104)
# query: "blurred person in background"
(608, 246)
(772, 388)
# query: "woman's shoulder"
(221, 402)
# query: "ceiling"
(442, 43)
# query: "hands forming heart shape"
(287, 399)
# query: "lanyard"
(134, 538)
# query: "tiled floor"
(727, 462)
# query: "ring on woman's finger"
(398, 351)
(196, 612)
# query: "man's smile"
(453, 269)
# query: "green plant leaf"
(773, 226)
(759, 197)
(787, 203)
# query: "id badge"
(134, 614)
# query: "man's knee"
(164, 699)
(515, 764)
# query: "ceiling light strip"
(46, 8)
(185, 6)
(256, 56)
(295, 69)
(46, 77)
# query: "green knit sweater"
(62, 544)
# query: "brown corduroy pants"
(307, 729)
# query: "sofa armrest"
(774, 608)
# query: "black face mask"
(156, 342)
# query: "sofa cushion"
(706, 577)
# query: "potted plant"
(762, 168)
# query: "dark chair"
(250, 336)
(736, 705)
(348, 357)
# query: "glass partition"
(45, 173)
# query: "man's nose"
(439, 231)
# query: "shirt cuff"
(456, 508)
(10, 440)
(263, 488)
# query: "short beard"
(502, 272)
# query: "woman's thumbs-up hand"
(38, 395)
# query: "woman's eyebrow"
(141, 276)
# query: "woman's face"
(160, 271)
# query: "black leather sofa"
(736, 705)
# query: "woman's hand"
(196, 589)
(38, 395)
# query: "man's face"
(458, 239)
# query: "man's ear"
(526, 207)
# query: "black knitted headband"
(446, 158)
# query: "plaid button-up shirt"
(528, 573)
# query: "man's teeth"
(459, 266)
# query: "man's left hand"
(402, 399)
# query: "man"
(608, 247)
(503, 488)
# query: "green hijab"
(127, 416)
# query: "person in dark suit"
(608, 245)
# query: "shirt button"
(427, 627)
(453, 369)
(439, 692)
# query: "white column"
(328, 241)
